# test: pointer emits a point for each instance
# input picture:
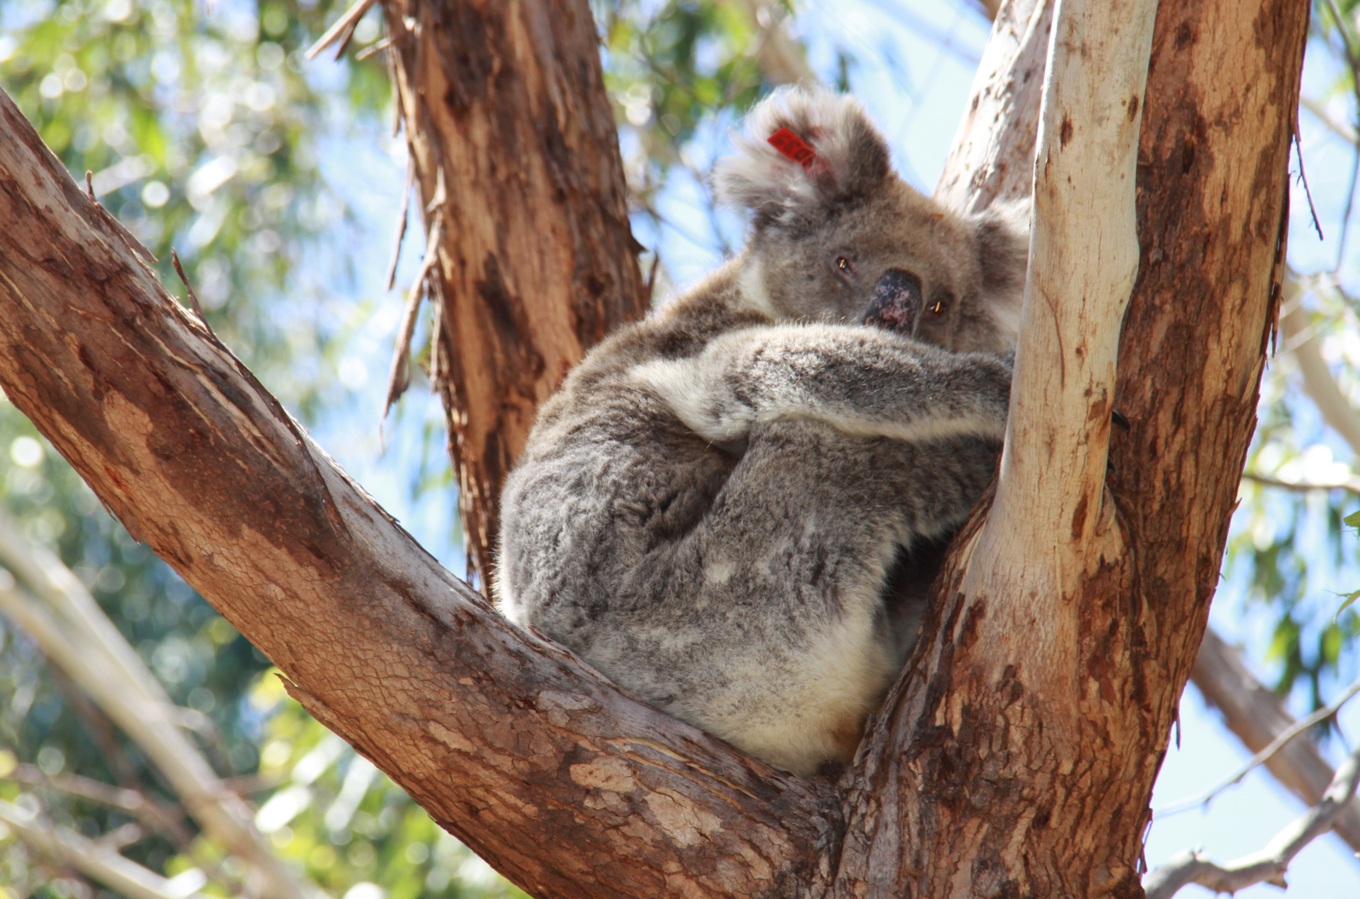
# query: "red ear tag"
(794, 147)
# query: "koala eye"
(939, 307)
(845, 267)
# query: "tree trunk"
(1014, 758)
(514, 148)
(1037, 718)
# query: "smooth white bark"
(1047, 524)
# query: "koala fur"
(716, 508)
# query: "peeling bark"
(514, 145)
(1012, 780)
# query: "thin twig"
(1351, 486)
(1264, 755)
(344, 26)
(1303, 179)
(193, 297)
(374, 48)
(123, 232)
(77, 636)
(98, 862)
(436, 335)
(1268, 865)
(400, 377)
(1319, 112)
(345, 38)
(651, 275)
(155, 814)
(401, 222)
(397, 113)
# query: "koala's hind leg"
(796, 552)
(906, 589)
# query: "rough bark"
(510, 743)
(1023, 740)
(976, 780)
(514, 146)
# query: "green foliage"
(199, 658)
(202, 131)
(344, 823)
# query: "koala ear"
(1001, 236)
(848, 160)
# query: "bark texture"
(993, 154)
(1008, 761)
(514, 147)
(1023, 742)
(535, 761)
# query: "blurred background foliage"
(206, 130)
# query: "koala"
(731, 508)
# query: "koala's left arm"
(860, 380)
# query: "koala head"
(837, 236)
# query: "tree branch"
(541, 262)
(1336, 409)
(512, 744)
(987, 163)
(86, 645)
(157, 815)
(1258, 718)
(97, 861)
(1268, 865)
(1260, 758)
(1350, 486)
(1083, 261)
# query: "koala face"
(838, 237)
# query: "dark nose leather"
(895, 304)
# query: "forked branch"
(535, 761)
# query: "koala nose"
(896, 302)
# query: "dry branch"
(1268, 865)
(1255, 714)
(1266, 754)
(1350, 486)
(1335, 407)
(341, 28)
(91, 858)
(82, 641)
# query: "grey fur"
(715, 507)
